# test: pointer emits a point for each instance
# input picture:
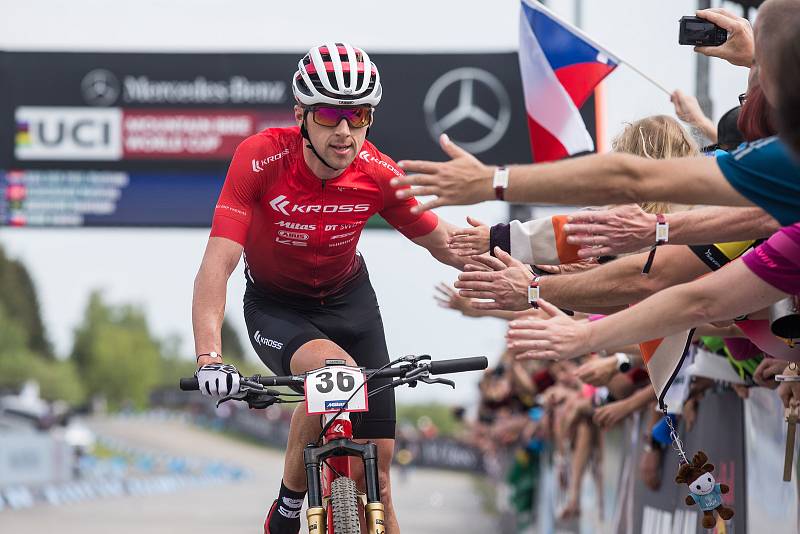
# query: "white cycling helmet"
(324, 76)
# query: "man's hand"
(470, 241)
(505, 285)
(687, 108)
(448, 298)
(764, 374)
(650, 468)
(619, 230)
(462, 180)
(218, 379)
(739, 49)
(556, 338)
(598, 371)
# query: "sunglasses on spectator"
(331, 116)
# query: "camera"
(700, 32)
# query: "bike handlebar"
(440, 367)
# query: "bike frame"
(333, 457)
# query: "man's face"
(338, 145)
(703, 485)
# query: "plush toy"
(703, 489)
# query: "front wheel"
(344, 499)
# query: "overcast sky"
(155, 268)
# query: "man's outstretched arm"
(590, 180)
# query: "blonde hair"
(656, 137)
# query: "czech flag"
(560, 68)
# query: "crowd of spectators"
(576, 362)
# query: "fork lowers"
(375, 518)
(316, 520)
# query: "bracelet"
(500, 182)
(662, 236)
(533, 292)
(211, 354)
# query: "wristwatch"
(533, 292)
(500, 182)
(623, 362)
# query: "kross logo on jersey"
(261, 340)
(281, 203)
(369, 158)
(260, 164)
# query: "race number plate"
(328, 388)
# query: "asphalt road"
(427, 501)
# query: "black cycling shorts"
(279, 324)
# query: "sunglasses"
(356, 117)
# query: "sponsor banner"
(206, 134)
(62, 133)
(107, 198)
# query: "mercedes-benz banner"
(99, 139)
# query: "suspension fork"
(336, 450)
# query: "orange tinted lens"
(331, 116)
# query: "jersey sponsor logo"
(340, 236)
(293, 235)
(260, 164)
(296, 226)
(292, 242)
(266, 342)
(369, 158)
(281, 203)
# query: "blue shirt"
(710, 501)
(765, 173)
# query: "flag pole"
(538, 5)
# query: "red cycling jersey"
(299, 232)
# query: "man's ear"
(298, 113)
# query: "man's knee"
(312, 355)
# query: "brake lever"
(241, 395)
(429, 380)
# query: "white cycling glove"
(218, 379)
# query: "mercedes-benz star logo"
(494, 124)
(100, 88)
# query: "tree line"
(114, 355)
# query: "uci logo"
(45, 133)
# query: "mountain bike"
(334, 391)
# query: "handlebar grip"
(458, 365)
(189, 384)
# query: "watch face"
(625, 367)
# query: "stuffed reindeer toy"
(703, 489)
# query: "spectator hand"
(619, 230)
(460, 181)
(740, 46)
(506, 284)
(688, 110)
(764, 374)
(470, 241)
(218, 379)
(650, 468)
(598, 371)
(570, 268)
(611, 414)
(789, 392)
(448, 298)
(556, 338)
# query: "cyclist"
(295, 200)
